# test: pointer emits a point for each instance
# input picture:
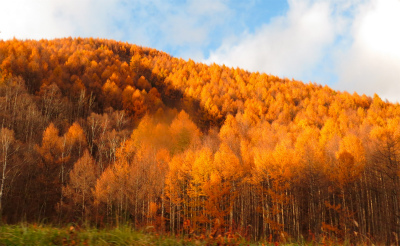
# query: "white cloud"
(191, 24)
(175, 25)
(26, 19)
(372, 63)
(290, 45)
(352, 45)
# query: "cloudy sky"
(351, 45)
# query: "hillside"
(103, 132)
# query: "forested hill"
(106, 132)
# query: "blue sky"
(351, 45)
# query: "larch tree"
(82, 181)
(7, 149)
(50, 177)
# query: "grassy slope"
(46, 235)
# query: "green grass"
(29, 234)
(48, 235)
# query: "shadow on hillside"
(176, 99)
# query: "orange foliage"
(192, 149)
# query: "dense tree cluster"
(104, 132)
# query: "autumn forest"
(105, 133)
